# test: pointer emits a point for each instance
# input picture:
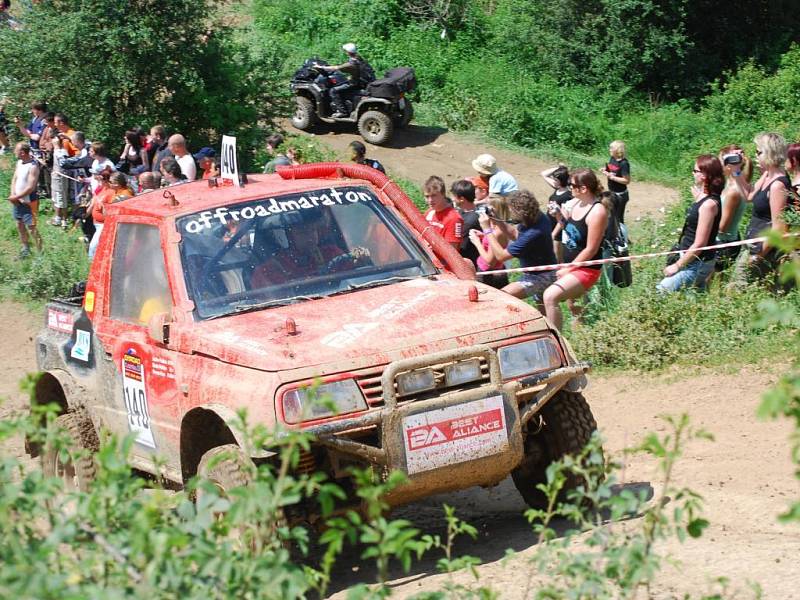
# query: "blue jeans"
(694, 274)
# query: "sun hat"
(485, 164)
(479, 183)
(350, 48)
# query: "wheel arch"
(50, 387)
(378, 104)
(206, 427)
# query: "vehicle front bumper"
(522, 399)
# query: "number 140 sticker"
(135, 397)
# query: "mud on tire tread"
(82, 437)
(226, 473)
(568, 426)
(304, 117)
(375, 127)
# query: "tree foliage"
(110, 65)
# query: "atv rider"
(356, 68)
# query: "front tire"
(226, 467)
(304, 117)
(568, 427)
(78, 469)
(375, 127)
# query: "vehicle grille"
(369, 381)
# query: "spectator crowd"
(487, 218)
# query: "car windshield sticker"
(80, 350)
(135, 396)
(223, 215)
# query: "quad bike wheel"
(375, 127)
(568, 426)
(77, 469)
(304, 117)
(408, 114)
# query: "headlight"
(326, 400)
(413, 382)
(528, 357)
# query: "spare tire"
(375, 127)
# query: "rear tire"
(79, 469)
(304, 117)
(568, 427)
(408, 114)
(375, 127)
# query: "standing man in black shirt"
(618, 172)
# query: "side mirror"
(158, 328)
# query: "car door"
(139, 373)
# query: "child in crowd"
(618, 172)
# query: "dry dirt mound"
(418, 152)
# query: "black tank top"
(690, 227)
(761, 208)
(577, 237)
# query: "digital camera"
(732, 159)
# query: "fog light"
(462, 372)
(414, 382)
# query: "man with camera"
(60, 186)
(33, 130)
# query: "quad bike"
(376, 109)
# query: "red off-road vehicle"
(204, 300)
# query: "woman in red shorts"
(584, 227)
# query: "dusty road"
(745, 477)
(418, 152)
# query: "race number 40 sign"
(229, 165)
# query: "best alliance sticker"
(455, 434)
(135, 396)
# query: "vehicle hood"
(365, 327)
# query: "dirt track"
(418, 152)
(745, 476)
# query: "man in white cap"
(500, 182)
(356, 68)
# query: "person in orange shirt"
(113, 188)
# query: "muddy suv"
(205, 300)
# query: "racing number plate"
(454, 434)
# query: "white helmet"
(350, 48)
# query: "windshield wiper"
(240, 308)
(379, 282)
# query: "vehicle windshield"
(291, 248)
